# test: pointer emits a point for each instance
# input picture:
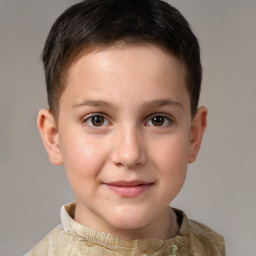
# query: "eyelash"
(167, 121)
(89, 120)
(165, 117)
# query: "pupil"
(158, 120)
(97, 120)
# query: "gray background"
(220, 189)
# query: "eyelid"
(88, 117)
(168, 117)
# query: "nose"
(128, 148)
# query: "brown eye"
(159, 120)
(97, 121)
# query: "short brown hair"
(93, 23)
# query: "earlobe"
(48, 129)
(199, 124)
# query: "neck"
(164, 227)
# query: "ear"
(48, 129)
(198, 127)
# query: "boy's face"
(125, 136)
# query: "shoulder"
(203, 240)
(44, 247)
(206, 238)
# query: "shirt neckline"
(108, 240)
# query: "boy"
(123, 82)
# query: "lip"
(129, 188)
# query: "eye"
(159, 120)
(96, 120)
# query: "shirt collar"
(109, 240)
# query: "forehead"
(140, 51)
(158, 52)
(122, 69)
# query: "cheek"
(171, 162)
(171, 153)
(83, 157)
(172, 170)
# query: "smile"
(129, 189)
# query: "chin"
(128, 219)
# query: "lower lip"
(131, 191)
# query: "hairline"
(97, 47)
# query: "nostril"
(129, 160)
(128, 148)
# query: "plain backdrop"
(220, 189)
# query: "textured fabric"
(71, 238)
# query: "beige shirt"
(71, 239)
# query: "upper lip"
(132, 183)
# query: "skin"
(143, 131)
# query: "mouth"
(129, 188)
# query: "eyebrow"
(93, 103)
(163, 102)
(150, 104)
